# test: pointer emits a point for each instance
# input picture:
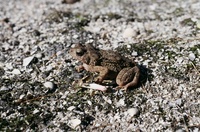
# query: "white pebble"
(133, 111)
(36, 111)
(179, 102)
(179, 130)
(49, 68)
(129, 32)
(134, 53)
(8, 66)
(74, 123)
(128, 46)
(198, 24)
(121, 102)
(21, 96)
(38, 55)
(27, 60)
(89, 102)
(192, 56)
(75, 36)
(3, 88)
(16, 72)
(71, 108)
(198, 90)
(49, 85)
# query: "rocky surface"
(37, 73)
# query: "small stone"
(75, 36)
(191, 56)
(179, 130)
(196, 129)
(121, 102)
(6, 46)
(198, 24)
(179, 102)
(8, 66)
(172, 104)
(89, 102)
(129, 32)
(49, 68)
(28, 60)
(198, 90)
(16, 72)
(21, 96)
(36, 111)
(133, 111)
(38, 55)
(128, 46)
(71, 108)
(134, 53)
(74, 123)
(3, 88)
(49, 85)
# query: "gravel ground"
(37, 73)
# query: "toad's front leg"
(128, 77)
(103, 71)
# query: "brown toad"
(109, 64)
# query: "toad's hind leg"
(128, 77)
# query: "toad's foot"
(103, 71)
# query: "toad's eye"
(80, 52)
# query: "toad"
(109, 64)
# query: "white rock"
(59, 53)
(191, 56)
(6, 46)
(38, 55)
(8, 66)
(74, 123)
(54, 39)
(133, 111)
(179, 130)
(180, 60)
(198, 24)
(64, 102)
(172, 104)
(36, 111)
(196, 130)
(89, 102)
(16, 71)
(49, 67)
(128, 46)
(21, 96)
(198, 90)
(27, 60)
(3, 88)
(75, 36)
(129, 32)
(71, 108)
(49, 85)
(134, 53)
(60, 115)
(121, 102)
(179, 102)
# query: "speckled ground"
(37, 73)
